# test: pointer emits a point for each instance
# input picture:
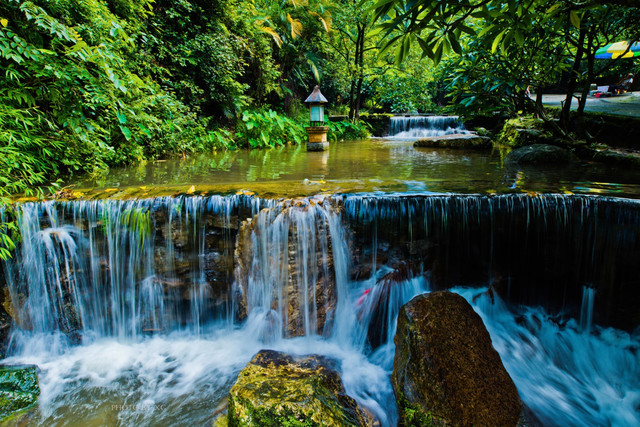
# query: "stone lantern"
(317, 131)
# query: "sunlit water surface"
(364, 166)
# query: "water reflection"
(371, 165)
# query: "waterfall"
(592, 379)
(406, 127)
(586, 309)
(290, 278)
(103, 269)
(159, 303)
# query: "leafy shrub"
(348, 131)
(267, 128)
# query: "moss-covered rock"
(469, 140)
(445, 370)
(614, 157)
(540, 154)
(19, 389)
(277, 389)
(522, 131)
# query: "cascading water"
(408, 127)
(586, 309)
(140, 312)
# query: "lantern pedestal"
(317, 138)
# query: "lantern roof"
(316, 96)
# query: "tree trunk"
(581, 127)
(352, 99)
(539, 106)
(354, 94)
(573, 80)
(359, 60)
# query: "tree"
(526, 34)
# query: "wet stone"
(19, 390)
(540, 154)
(277, 389)
(445, 370)
(454, 141)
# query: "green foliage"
(348, 131)
(210, 54)
(7, 245)
(408, 88)
(222, 138)
(70, 78)
(267, 128)
(497, 49)
(138, 221)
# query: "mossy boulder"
(278, 389)
(615, 157)
(523, 131)
(540, 154)
(456, 140)
(19, 389)
(445, 370)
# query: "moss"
(276, 389)
(269, 417)
(19, 390)
(523, 130)
(412, 415)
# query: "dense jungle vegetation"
(90, 84)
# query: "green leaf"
(519, 37)
(122, 118)
(437, 55)
(496, 41)
(553, 9)
(126, 132)
(574, 18)
(455, 44)
(144, 129)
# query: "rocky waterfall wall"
(141, 267)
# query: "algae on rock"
(522, 131)
(278, 389)
(19, 389)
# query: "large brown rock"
(277, 389)
(445, 371)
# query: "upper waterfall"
(403, 127)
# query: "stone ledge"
(456, 140)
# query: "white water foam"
(413, 127)
(566, 375)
